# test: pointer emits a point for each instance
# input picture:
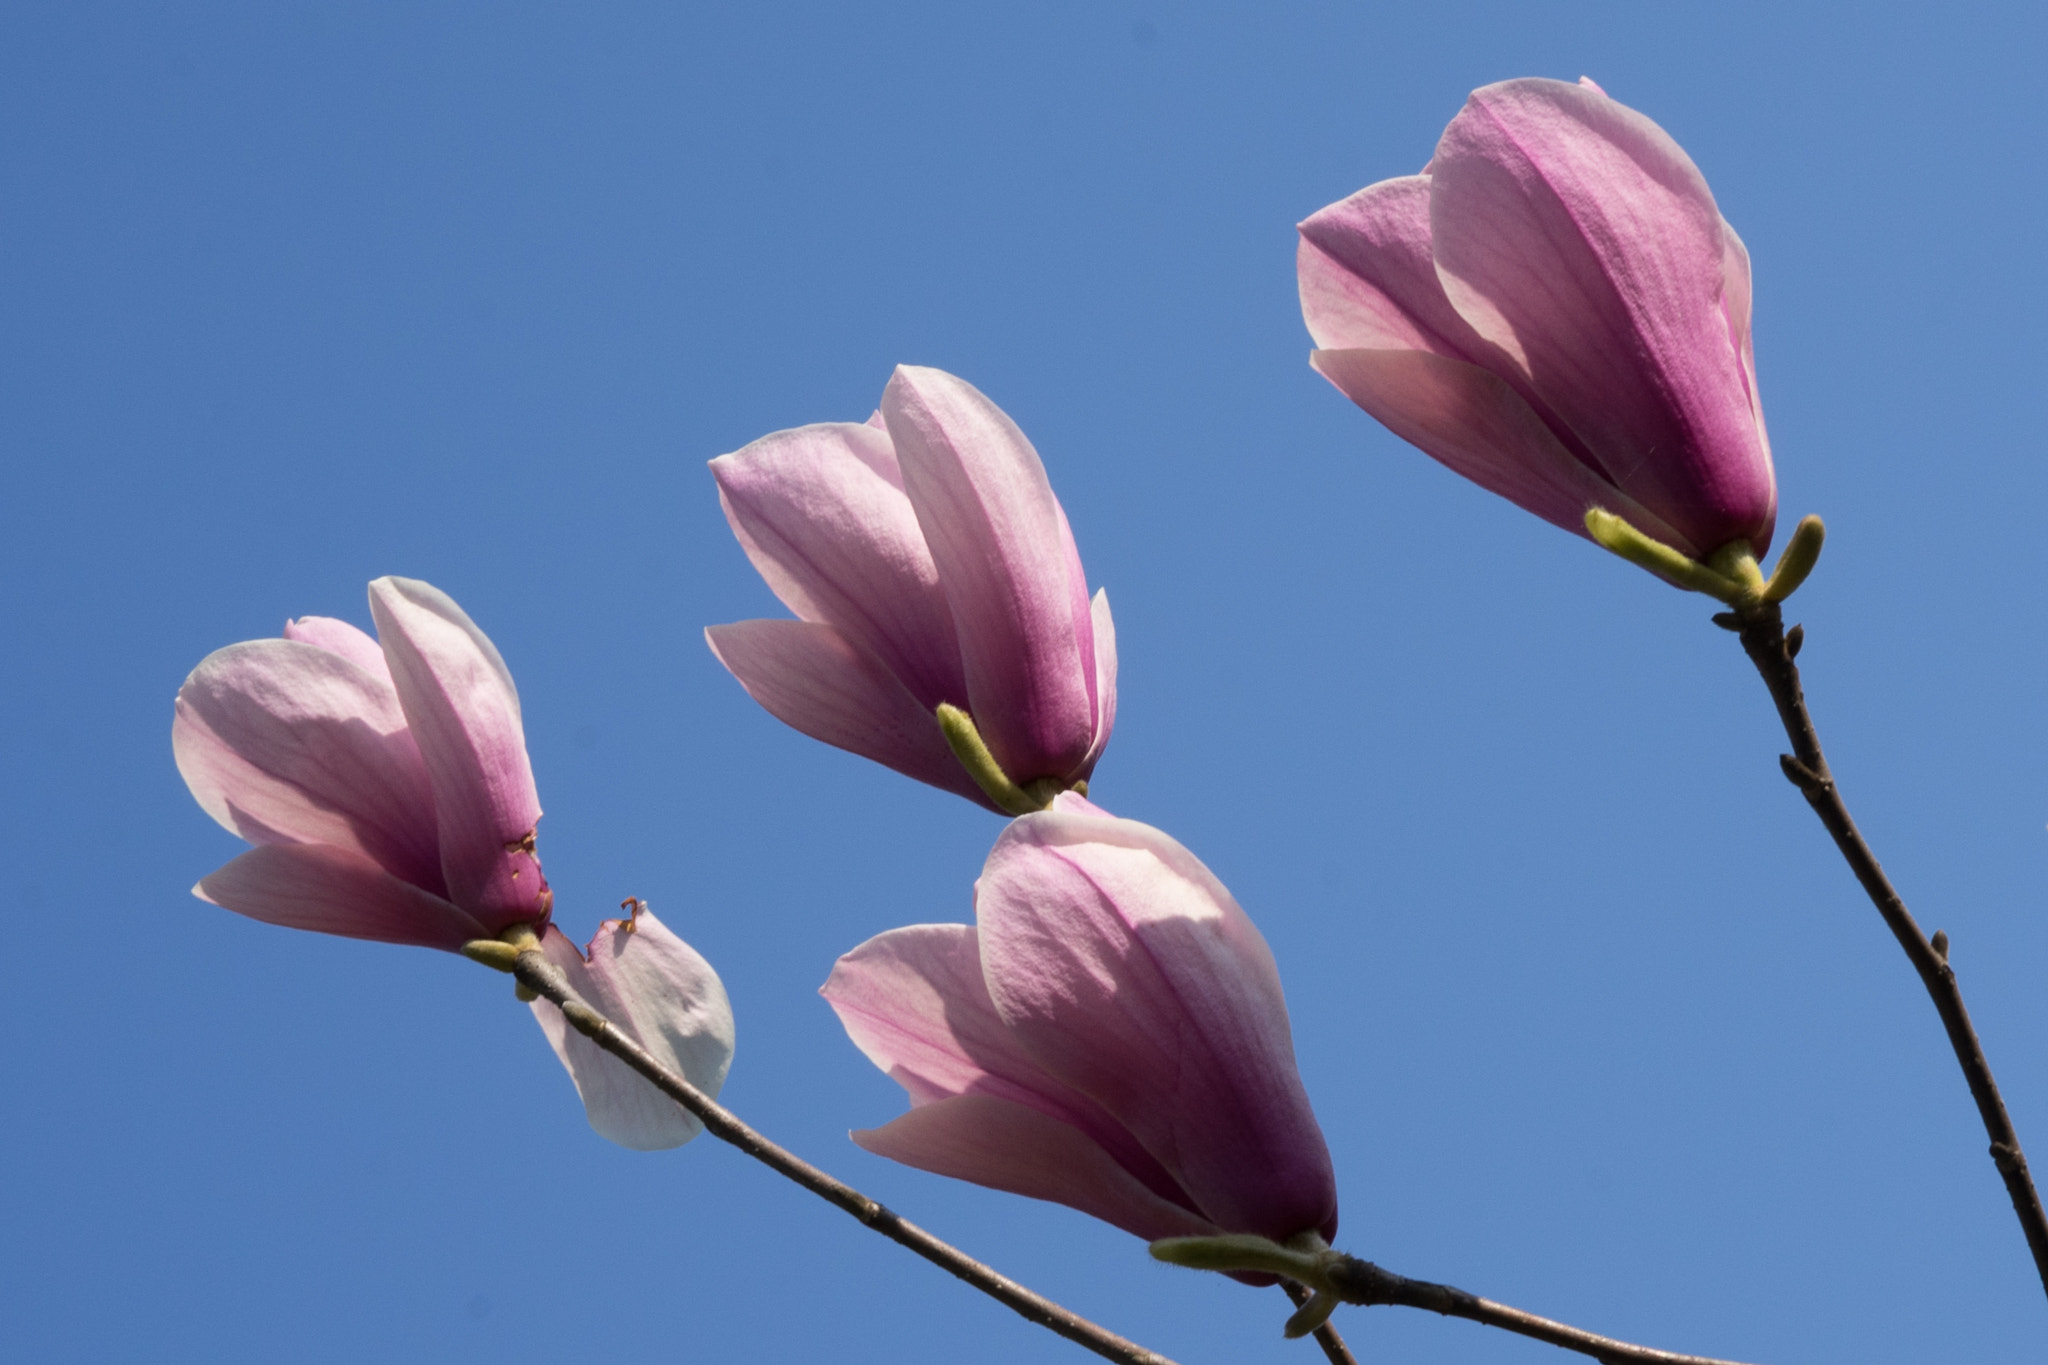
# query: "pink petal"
(1003, 552)
(1127, 971)
(1735, 305)
(283, 742)
(464, 713)
(913, 1000)
(1472, 421)
(822, 513)
(335, 891)
(1105, 680)
(812, 678)
(1009, 1146)
(666, 997)
(339, 637)
(1576, 236)
(1368, 281)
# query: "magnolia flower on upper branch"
(944, 625)
(1110, 1034)
(386, 786)
(1555, 309)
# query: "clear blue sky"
(296, 296)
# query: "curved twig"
(541, 977)
(1772, 649)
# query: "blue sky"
(297, 296)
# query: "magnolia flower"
(1109, 1034)
(384, 782)
(1555, 309)
(386, 787)
(930, 566)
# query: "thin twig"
(1356, 1281)
(1362, 1282)
(1764, 639)
(540, 976)
(1333, 1345)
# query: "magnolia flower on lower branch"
(386, 786)
(1110, 1034)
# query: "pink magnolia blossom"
(384, 782)
(928, 562)
(386, 787)
(1555, 309)
(1110, 1034)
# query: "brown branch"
(1362, 1282)
(1772, 649)
(540, 976)
(1334, 1349)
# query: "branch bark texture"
(1772, 650)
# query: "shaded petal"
(666, 997)
(464, 712)
(1469, 419)
(812, 678)
(1010, 1146)
(335, 891)
(1576, 236)
(284, 742)
(913, 1001)
(1127, 971)
(822, 514)
(1003, 552)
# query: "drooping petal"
(1010, 1146)
(666, 997)
(822, 513)
(1576, 236)
(464, 714)
(335, 891)
(1469, 419)
(339, 637)
(997, 536)
(1127, 971)
(286, 742)
(813, 678)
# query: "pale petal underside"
(667, 998)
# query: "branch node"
(1801, 776)
(1795, 638)
(1940, 945)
